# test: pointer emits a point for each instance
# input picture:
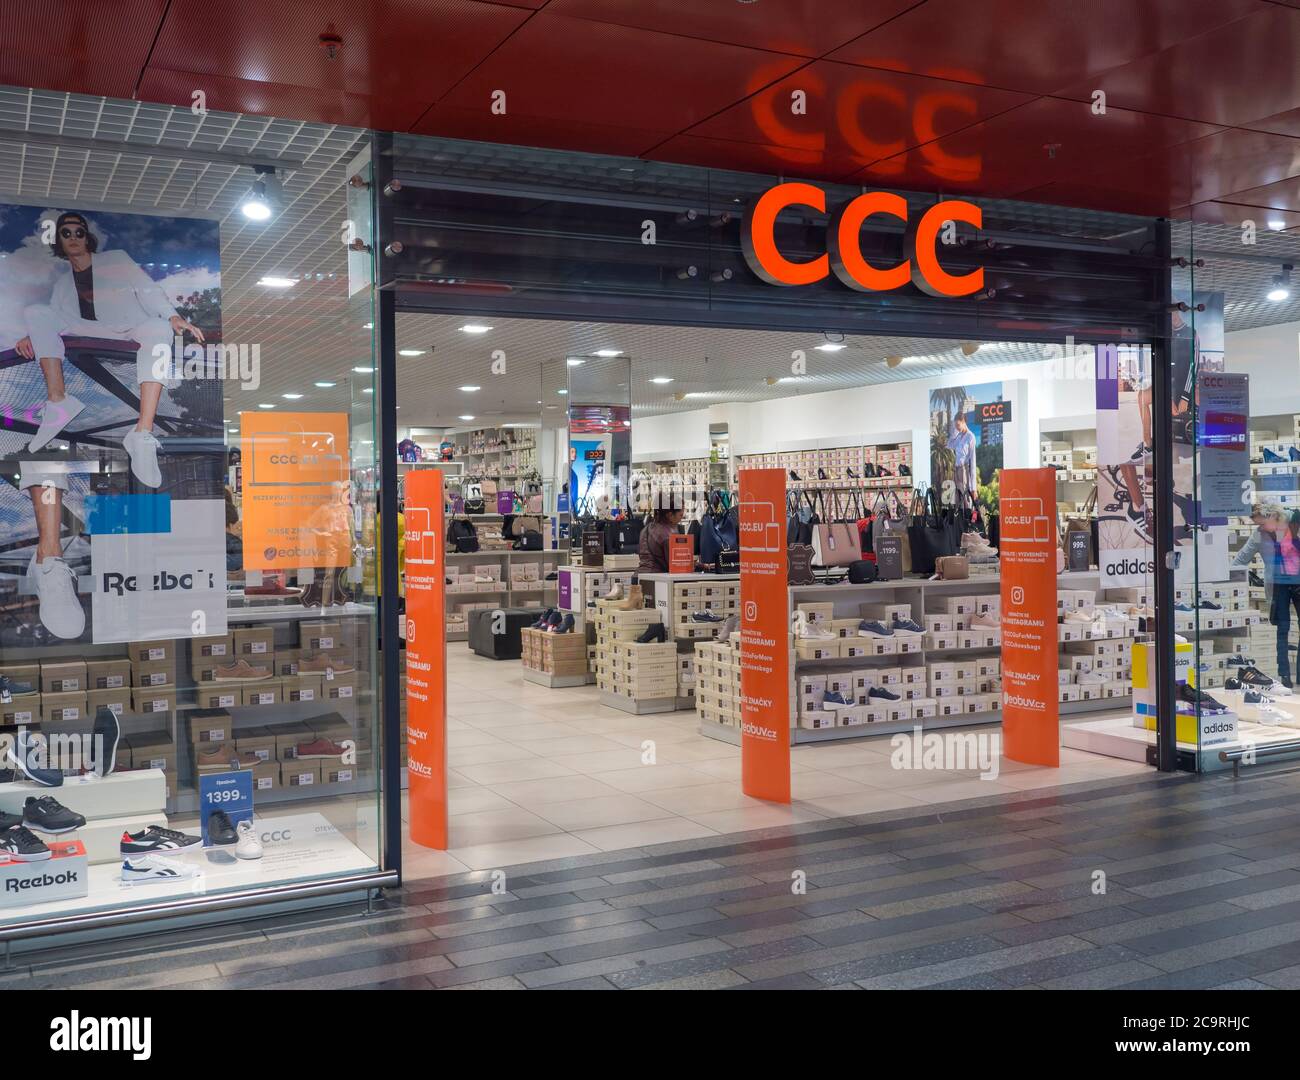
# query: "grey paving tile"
(1243, 984)
(1192, 978)
(609, 965)
(593, 982)
(705, 980)
(981, 963)
(1287, 978)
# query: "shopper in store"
(234, 536)
(1286, 586)
(1267, 518)
(654, 541)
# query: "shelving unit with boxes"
(503, 578)
(635, 677)
(675, 597)
(948, 674)
(505, 455)
(1072, 452)
(836, 461)
(554, 659)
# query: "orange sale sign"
(1028, 544)
(426, 676)
(681, 553)
(764, 637)
(296, 508)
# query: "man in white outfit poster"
(106, 296)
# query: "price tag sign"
(229, 792)
(681, 553)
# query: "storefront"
(205, 530)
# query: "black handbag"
(930, 533)
(531, 540)
(623, 537)
(462, 536)
(863, 572)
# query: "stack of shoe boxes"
(642, 671)
(719, 599)
(615, 627)
(717, 683)
(554, 654)
(686, 676)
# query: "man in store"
(106, 295)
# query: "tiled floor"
(545, 774)
(1201, 876)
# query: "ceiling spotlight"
(255, 206)
(475, 328)
(264, 405)
(1276, 224)
(273, 282)
(465, 416)
(410, 352)
(561, 391)
(661, 380)
(573, 361)
(473, 389)
(1281, 289)
(291, 397)
(893, 361)
(607, 353)
(364, 370)
(685, 273)
(325, 385)
(830, 346)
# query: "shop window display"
(187, 630)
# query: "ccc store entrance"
(581, 354)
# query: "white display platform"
(297, 847)
(120, 794)
(1118, 737)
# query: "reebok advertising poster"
(111, 519)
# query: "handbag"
(472, 495)
(930, 533)
(462, 536)
(522, 523)
(622, 537)
(488, 486)
(530, 540)
(839, 542)
(719, 532)
(952, 567)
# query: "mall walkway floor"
(1201, 889)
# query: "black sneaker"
(706, 617)
(156, 838)
(1257, 680)
(882, 694)
(9, 821)
(654, 632)
(834, 697)
(29, 752)
(22, 845)
(1239, 660)
(104, 737)
(1232, 683)
(1209, 605)
(1198, 698)
(49, 815)
(220, 830)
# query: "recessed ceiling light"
(364, 370)
(470, 389)
(661, 380)
(475, 328)
(368, 390)
(607, 353)
(1276, 224)
(367, 326)
(465, 416)
(831, 346)
(264, 405)
(325, 385)
(273, 282)
(561, 391)
(291, 397)
(410, 352)
(789, 378)
(573, 361)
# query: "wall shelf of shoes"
(492, 579)
(288, 699)
(874, 659)
(1073, 454)
(871, 466)
(501, 454)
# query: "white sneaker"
(56, 585)
(148, 869)
(248, 846)
(615, 592)
(142, 448)
(55, 416)
(1080, 615)
(811, 631)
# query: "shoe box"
(64, 705)
(287, 737)
(256, 740)
(555, 654)
(153, 673)
(65, 875)
(220, 648)
(299, 774)
(150, 699)
(210, 726)
(63, 676)
(344, 686)
(152, 750)
(261, 694)
(108, 674)
(224, 695)
(256, 644)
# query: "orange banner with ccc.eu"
(764, 637)
(296, 509)
(1028, 546)
(426, 659)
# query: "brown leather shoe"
(324, 665)
(221, 758)
(241, 670)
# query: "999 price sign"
(231, 793)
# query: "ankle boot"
(634, 601)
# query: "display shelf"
(638, 706)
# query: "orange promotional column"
(764, 637)
(1028, 544)
(426, 658)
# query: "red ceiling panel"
(1038, 46)
(1234, 74)
(414, 50)
(82, 46)
(1287, 123)
(515, 129)
(1283, 195)
(801, 27)
(855, 116)
(754, 157)
(1048, 141)
(562, 69)
(271, 99)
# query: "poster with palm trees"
(965, 453)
